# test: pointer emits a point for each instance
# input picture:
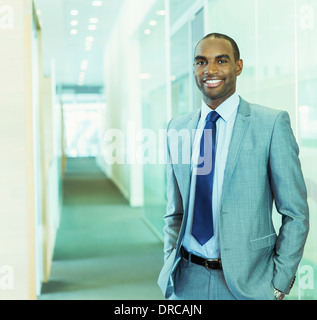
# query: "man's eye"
(222, 61)
(200, 63)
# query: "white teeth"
(213, 81)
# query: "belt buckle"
(212, 260)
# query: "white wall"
(30, 156)
(17, 220)
(51, 158)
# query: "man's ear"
(239, 66)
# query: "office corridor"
(103, 248)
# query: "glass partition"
(185, 94)
(181, 71)
(306, 112)
(166, 79)
(153, 77)
(177, 8)
(279, 50)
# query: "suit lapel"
(185, 169)
(239, 130)
(188, 145)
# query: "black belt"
(210, 264)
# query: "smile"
(213, 83)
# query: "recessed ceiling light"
(161, 12)
(84, 65)
(74, 12)
(92, 27)
(73, 31)
(97, 3)
(173, 78)
(88, 46)
(147, 31)
(153, 23)
(93, 20)
(89, 39)
(74, 22)
(304, 109)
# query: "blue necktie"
(203, 220)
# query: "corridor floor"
(104, 250)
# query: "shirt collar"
(226, 109)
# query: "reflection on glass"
(180, 70)
(154, 106)
(306, 63)
(279, 50)
(177, 8)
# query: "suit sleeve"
(174, 209)
(290, 196)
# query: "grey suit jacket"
(262, 168)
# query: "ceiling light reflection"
(161, 12)
(93, 20)
(84, 65)
(97, 3)
(89, 39)
(92, 27)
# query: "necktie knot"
(212, 116)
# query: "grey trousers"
(195, 282)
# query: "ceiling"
(78, 57)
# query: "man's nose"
(211, 68)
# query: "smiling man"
(220, 242)
(217, 64)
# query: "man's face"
(216, 70)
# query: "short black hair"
(234, 45)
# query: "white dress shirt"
(228, 112)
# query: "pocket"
(166, 270)
(263, 242)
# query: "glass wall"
(153, 77)
(279, 50)
(306, 112)
(167, 37)
(177, 8)
(185, 95)
(180, 71)
(278, 44)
